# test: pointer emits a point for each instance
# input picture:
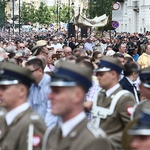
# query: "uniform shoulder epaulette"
(96, 131)
(34, 117)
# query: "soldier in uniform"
(69, 84)
(20, 127)
(140, 132)
(144, 87)
(112, 106)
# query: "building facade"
(132, 15)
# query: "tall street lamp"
(68, 11)
(19, 17)
(57, 15)
(13, 13)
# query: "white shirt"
(56, 46)
(70, 124)
(111, 90)
(11, 115)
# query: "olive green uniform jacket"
(15, 136)
(82, 137)
(114, 124)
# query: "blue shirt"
(38, 99)
(88, 46)
(135, 57)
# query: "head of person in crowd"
(69, 88)
(21, 46)
(67, 51)
(97, 55)
(55, 57)
(36, 66)
(83, 58)
(125, 40)
(31, 44)
(17, 42)
(108, 72)
(140, 132)
(89, 53)
(147, 50)
(55, 40)
(61, 41)
(145, 82)
(35, 49)
(59, 51)
(135, 50)
(42, 51)
(80, 45)
(127, 59)
(120, 57)
(78, 52)
(15, 82)
(27, 52)
(43, 59)
(87, 64)
(122, 48)
(71, 58)
(134, 53)
(73, 39)
(109, 47)
(83, 40)
(131, 70)
(11, 50)
(4, 54)
(89, 40)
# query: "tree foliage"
(2, 12)
(44, 15)
(28, 14)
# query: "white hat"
(110, 53)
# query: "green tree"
(61, 13)
(64, 13)
(43, 14)
(28, 14)
(2, 12)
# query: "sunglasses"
(45, 53)
(34, 70)
(21, 47)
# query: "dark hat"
(68, 74)
(109, 63)
(142, 126)
(38, 44)
(13, 74)
(145, 77)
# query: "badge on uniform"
(130, 110)
(36, 141)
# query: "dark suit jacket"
(72, 45)
(126, 85)
(15, 136)
(80, 138)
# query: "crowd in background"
(42, 52)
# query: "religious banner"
(100, 21)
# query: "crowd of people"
(59, 92)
